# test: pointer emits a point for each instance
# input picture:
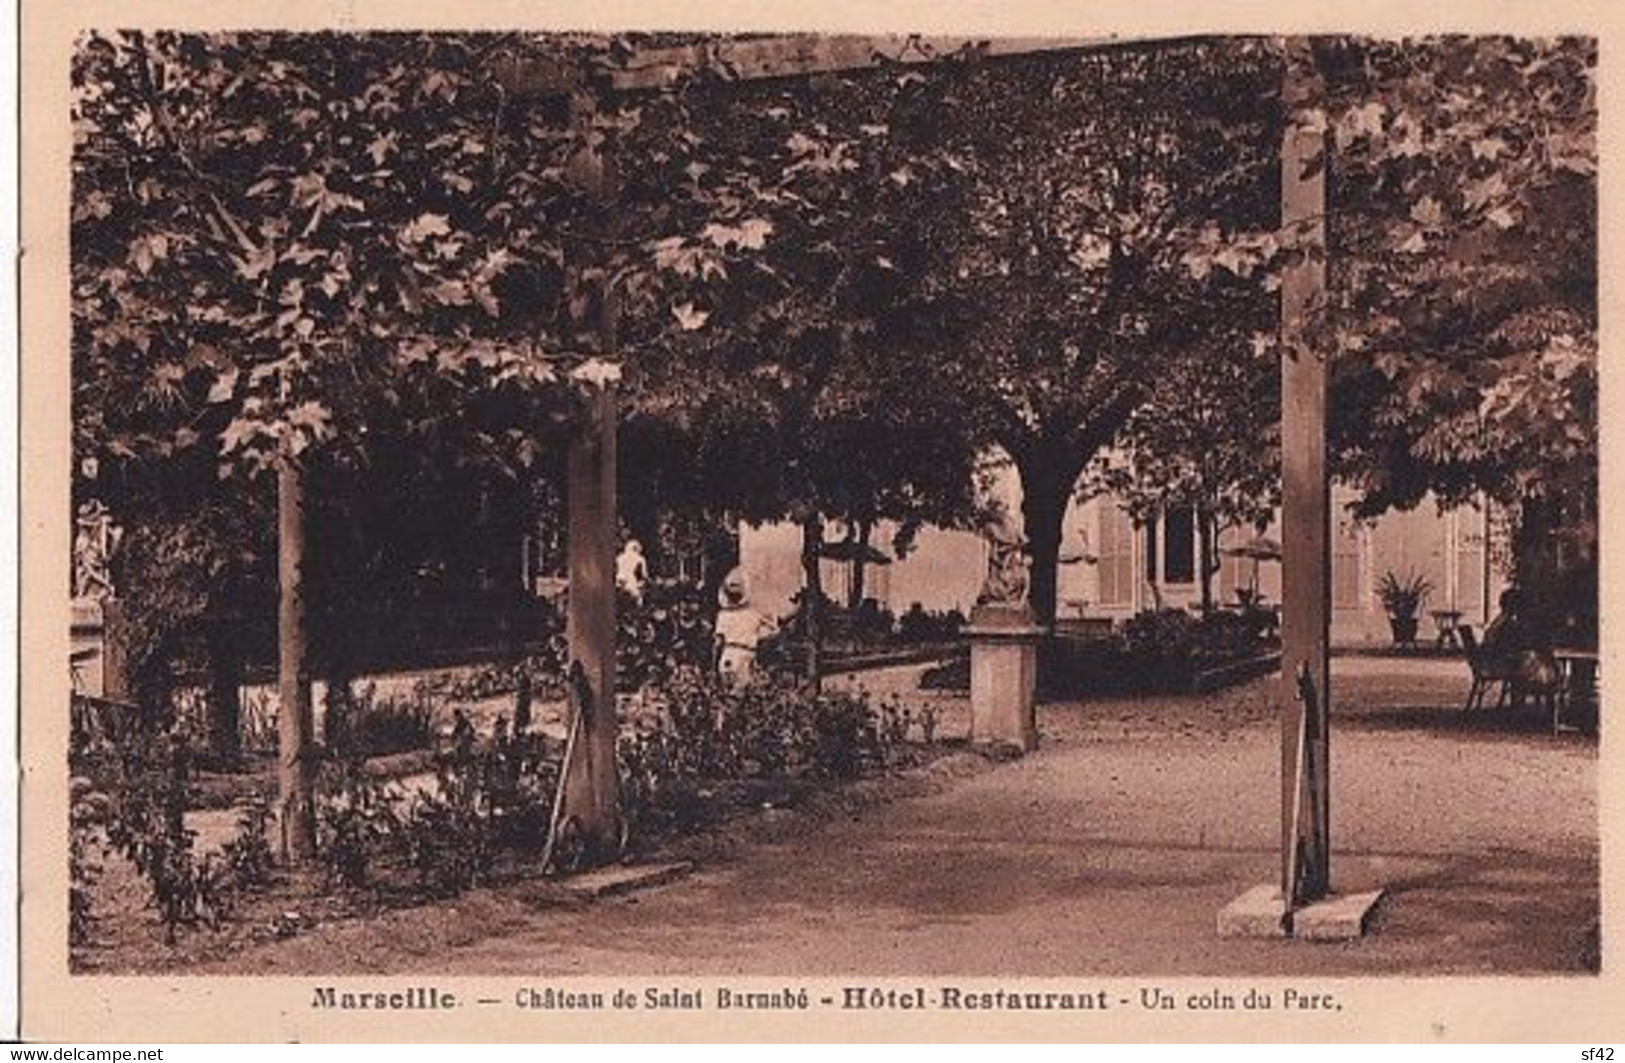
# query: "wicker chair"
(1486, 671)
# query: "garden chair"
(1539, 679)
(1486, 671)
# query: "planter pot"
(1404, 628)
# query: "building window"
(1151, 550)
(1179, 546)
(1116, 564)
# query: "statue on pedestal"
(1006, 581)
(95, 537)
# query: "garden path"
(1109, 851)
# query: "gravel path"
(1109, 851)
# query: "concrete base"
(1003, 677)
(1260, 913)
(624, 878)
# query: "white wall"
(945, 568)
(943, 571)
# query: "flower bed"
(698, 754)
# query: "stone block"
(1338, 917)
(1258, 913)
(624, 878)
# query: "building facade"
(1114, 567)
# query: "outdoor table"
(1579, 688)
(1446, 622)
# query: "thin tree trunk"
(854, 598)
(225, 685)
(812, 541)
(1204, 541)
(296, 776)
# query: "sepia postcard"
(752, 523)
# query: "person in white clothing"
(740, 629)
(631, 570)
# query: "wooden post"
(296, 768)
(1306, 509)
(592, 775)
(591, 790)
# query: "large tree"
(1463, 228)
(788, 388)
(1066, 287)
(1464, 269)
(318, 246)
(301, 253)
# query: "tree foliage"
(1463, 265)
(1093, 182)
(789, 292)
(826, 292)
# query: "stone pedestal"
(1260, 913)
(1003, 676)
(88, 647)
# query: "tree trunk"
(1535, 568)
(225, 686)
(1045, 490)
(812, 601)
(296, 774)
(1204, 559)
(854, 598)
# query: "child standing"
(739, 631)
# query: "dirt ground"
(1109, 851)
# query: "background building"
(1113, 567)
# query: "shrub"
(952, 674)
(247, 855)
(1158, 637)
(447, 843)
(146, 823)
(360, 723)
(668, 630)
(844, 736)
(486, 796)
(921, 625)
(356, 822)
(1220, 637)
(517, 775)
(707, 733)
(873, 622)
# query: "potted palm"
(1402, 599)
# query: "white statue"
(1007, 561)
(631, 569)
(94, 539)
